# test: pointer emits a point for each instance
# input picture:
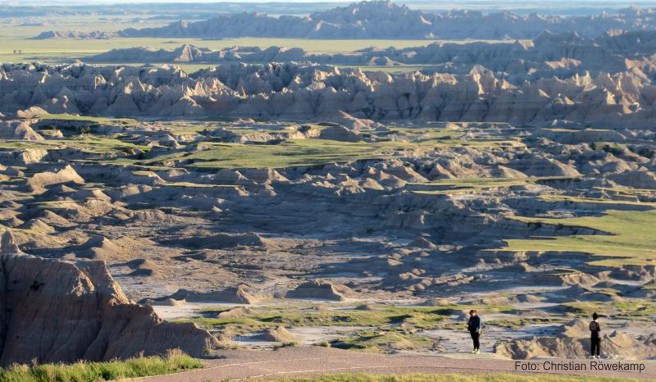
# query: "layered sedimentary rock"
(300, 91)
(56, 311)
(385, 20)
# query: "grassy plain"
(303, 152)
(630, 238)
(19, 37)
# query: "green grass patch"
(382, 340)
(83, 118)
(174, 362)
(518, 323)
(12, 144)
(418, 317)
(630, 238)
(575, 199)
(300, 152)
(102, 145)
(402, 320)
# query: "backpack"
(594, 326)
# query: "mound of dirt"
(527, 298)
(339, 133)
(277, 334)
(39, 181)
(144, 268)
(356, 124)
(94, 194)
(53, 219)
(167, 302)
(235, 295)
(39, 226)
(235, 312)
(100, 248)
(318, 289)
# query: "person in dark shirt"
(474, 327)
(595, 340)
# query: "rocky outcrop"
(317, 289)
(56, 311)
(18, 130)
(39, 181)
(573, 342)
(240, 294)
(8, 244)
(300, 92)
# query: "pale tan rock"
(58, 311)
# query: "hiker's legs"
(474, 337)
(594, 346)
(598, 345)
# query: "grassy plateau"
(630, 237)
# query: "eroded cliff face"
(296, 91)
(57, 311)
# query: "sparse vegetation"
(383, 340)
(175, 361)
(417, 317)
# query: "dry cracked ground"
(300, 204)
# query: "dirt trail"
(304, 361)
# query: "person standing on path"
(474, 327)
(595, 340)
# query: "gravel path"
(305, 361)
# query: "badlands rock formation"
(547, 55)
(518, 178)
(573, 342)
(248, 212)
(301, 92)
(386, 20)
(57, 311)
